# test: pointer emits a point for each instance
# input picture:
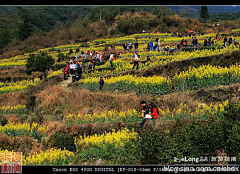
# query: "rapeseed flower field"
(201, 112)
(194, 78)
(19, 109)
(49, 157)
(114, 138)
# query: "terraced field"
(54, 121)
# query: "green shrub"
(84, 44)
(111, 154)
(157, 147)
(70, 51)
(62, 141)
(61, 57)
(41, 62)
(233, 141)
(190, 139)
(231, 112)
(29, 50)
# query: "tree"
(109, 18)
(204, 13)
(5, 37)
(41, 62)
(25, 29)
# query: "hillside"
(60, 117)
(196, 90)
(225, 16)
(85, 30)
(49, 26)
(42, 19)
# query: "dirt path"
(65, 83)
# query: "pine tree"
(204, 13)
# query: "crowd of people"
(75, 69)
(77, 64)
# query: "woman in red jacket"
(153, 111)
(66, 68)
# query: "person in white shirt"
(72, 67)
(111, 57)
(135, 59)
(100, 57)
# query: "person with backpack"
(101, 83)
(135, 59)
(111, 58)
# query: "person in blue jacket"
(151, 46)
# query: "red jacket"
(66, 69)
(154, 113)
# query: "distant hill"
(44, 18)
(225, 16)
(41, 19)
(194, 11)
(7, 9)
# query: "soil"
(65, 83)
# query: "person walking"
(195, 42)
(111, 58)
(125, 46)
(66, 68)
(72, 67)
(205, 42)
(100, 57)
(101, 83)
(84, 64)
(230, 40)
(235, 42)
(136, 45)
(148, 47)
(130, 45)
(225, 40)
(151, 46)
(135, 60)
